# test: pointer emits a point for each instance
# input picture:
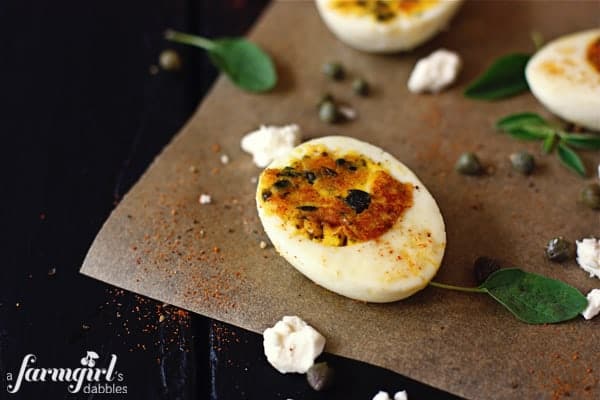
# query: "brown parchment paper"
(160, 242)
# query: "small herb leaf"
(525, 126)
(570, 159)
(549, 143)
(589, 141)
(531, 132)
(534, 299)
(530, 126)
(514, 121)
(504, 78)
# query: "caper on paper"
(360, 87)
(522, 162)
(334, 70)
(468, 164)
(559, 249)
(320, 376)
(169, 60)
(328, 112)
(327, 97)
(590, 196)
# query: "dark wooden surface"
(81, 118)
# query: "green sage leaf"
(242, 61)
(245, 63)
(515, 121)
(533, 298)
(582, 141)
(504, 78)
(570, 159)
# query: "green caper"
(328, 112)
(334, 70)
(325, 98)
(559, 249)
(522, 162)
(360, 87)
(320, 376)
(468, 164)
(590, 196)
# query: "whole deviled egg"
(565, 76)
(386, 26)
(352, 218)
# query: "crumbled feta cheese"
(263, 244)
(593, 307)
(435, 72)
(270, 142)
(348, 112)
(402, 395)
(205, 199)
(224, 159)
(292, 345)
(588, 256)
(381, 395)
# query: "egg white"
(394, 266)
(561, 77)
(404, 32)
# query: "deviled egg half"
(565, 76)
(386, 26)
(352, 219)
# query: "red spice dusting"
(178, 249)
(567, 375)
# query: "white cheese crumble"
(205, 199)
(381, 395)
(224, 159)
(292, 345)
(593, 308)
(588, 256)
(434, 72)
(271, 142)
(401, 395)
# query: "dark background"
(81, 118)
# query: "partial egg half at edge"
(386, 26)
(565, 77)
